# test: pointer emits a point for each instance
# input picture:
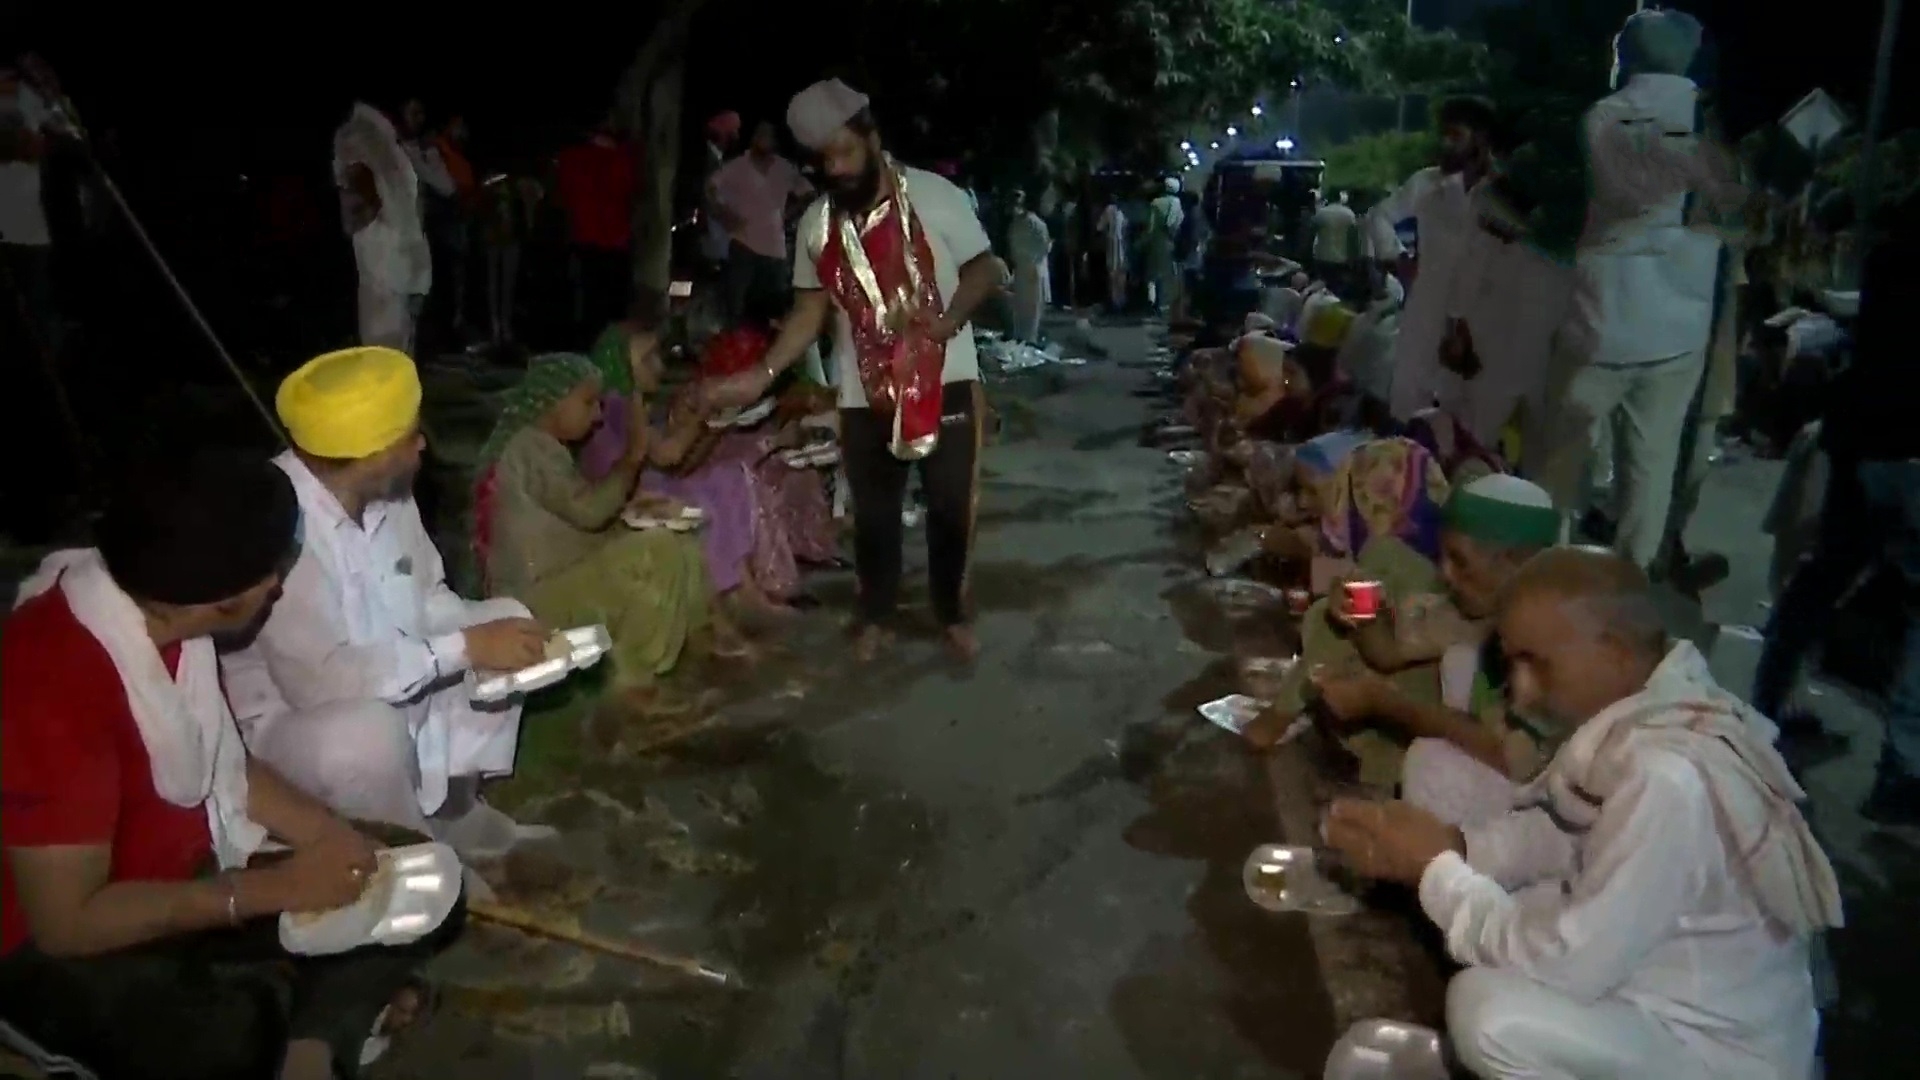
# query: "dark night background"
(184, 110)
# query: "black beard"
(859, 193)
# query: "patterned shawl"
(1388, 487)
(550, 377)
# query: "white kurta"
(1443, 211)
(1027, 247)
(353, 689)
(390, 251)
(1643, 955)
(1112, 228)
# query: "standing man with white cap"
(898, 257)
(1635, 344)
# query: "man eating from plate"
(1647, 908)
(354, 687)
(133, 815)
(898, 257)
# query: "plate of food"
(1233, 712)
(567, 651)
(746, 417)
(814, 456)
(407, 897)
(683, 519)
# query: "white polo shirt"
(955, 237)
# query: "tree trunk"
(654, 217)
(648, 103)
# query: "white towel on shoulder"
(195, 749)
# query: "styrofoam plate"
(410, 895)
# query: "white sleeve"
(950, 215)
(1646, 857)
(808, 237)
(432, 169)
(306, 649)
(1390, 212)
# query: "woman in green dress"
(555, 540)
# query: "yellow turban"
(350, 404)
(1327, 326)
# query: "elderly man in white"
(1647, 909)
(353, 688)
(1634, 345)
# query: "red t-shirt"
(73, 768)
(596, 181)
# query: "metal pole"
(1866, 196)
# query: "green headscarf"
(550, 377)
(610, 356)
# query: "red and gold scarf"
(880, 271)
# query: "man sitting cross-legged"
(139, 932)
(1646, 911)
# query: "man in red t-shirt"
(597, 178)
(123, 781)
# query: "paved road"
(1029, 870)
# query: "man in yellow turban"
(352, 687)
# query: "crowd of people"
(1399, 433)
(1609, 842)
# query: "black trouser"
(949, 476)
(605, 287)
(754, 280)
(219, 1005)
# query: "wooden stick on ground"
(528, 923)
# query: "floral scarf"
(880, 271)
(549, 378)
(1388, 487)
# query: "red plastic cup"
(1299, 600)
(1363, 600)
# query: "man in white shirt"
(1647, 908)
(750, 195)
(353, 687)
(380, 209)
(899, 259)
(1489, 301)
(1635, 342)
(1336, 238)
(1028, 245)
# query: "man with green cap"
(1466, 754)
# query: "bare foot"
(657, 701)
(869, 642)
(755, 602)
(730, 644)
(962, 643)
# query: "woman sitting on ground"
(555, 540)
(747, 538)
(738, 475)
(1289, 393)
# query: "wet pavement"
(1027, 869)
